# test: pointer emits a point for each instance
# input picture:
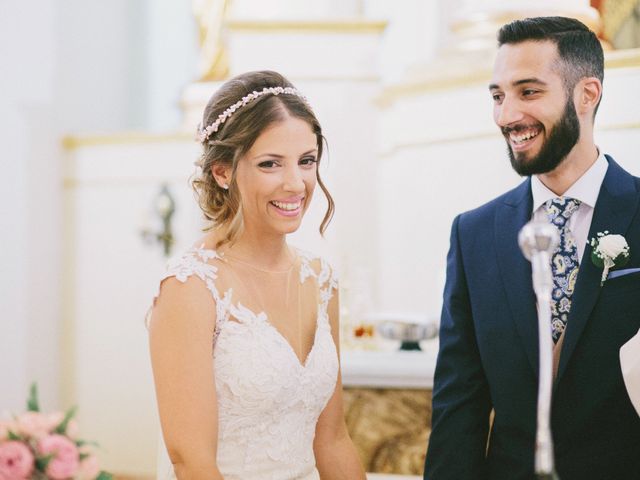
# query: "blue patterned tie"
(564, 263)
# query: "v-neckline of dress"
(263, 318)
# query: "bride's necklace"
(287, 303)
(293, 256)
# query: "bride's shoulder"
(188, 281)
(199, 259)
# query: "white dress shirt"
(585, 189)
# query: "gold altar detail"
(210, 16)
(621, 22)
(390, 428)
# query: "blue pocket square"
(621, 273)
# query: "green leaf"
(82, 443)
(43, 462)
(621, 260)
(104, 476)
(597, 261)
(13, 436)
(62, 428)
(32, 402)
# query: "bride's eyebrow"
(270, 155)
(278, 156)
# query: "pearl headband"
(205, 133)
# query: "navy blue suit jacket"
(488, 355)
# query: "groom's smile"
(521, 138)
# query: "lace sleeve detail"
(318, 267)
(195, 261)
(328, 281)
(192, 262)
(328, 278)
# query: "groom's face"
(532, 108)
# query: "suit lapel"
(511, 216)
(616, 205)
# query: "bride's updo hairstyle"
(235, 116)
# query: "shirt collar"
(585, 189)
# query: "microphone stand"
(538, 241)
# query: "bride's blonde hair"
(234, 137)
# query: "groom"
(546, 88)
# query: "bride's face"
(277, 177)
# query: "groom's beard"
(562, 138)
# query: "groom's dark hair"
(579, 49)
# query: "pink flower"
(89, 468)
(72, 430)
(6, 426)
(66, 459)
(16, 461)
(37, 425)
(54, 420)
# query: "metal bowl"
(409, 331)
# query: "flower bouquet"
(44, 446)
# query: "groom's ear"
(588, 93)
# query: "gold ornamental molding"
(483, 135)
(494, 20)
(615, 14)
(72, 142)
(474, 29)
(628, 58)
(71, 183)
(618, 126)
(429, 142)
(307, 26)
(442, 80)
(453, 77)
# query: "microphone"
(538, 240)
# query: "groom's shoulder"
(619, 181)
(487, 211)
(635, 179)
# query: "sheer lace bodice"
(269, 400)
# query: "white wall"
(28, 204)
(68, 67)
(122, 64)
(412, 37)
(13, 279)
(170, 63)
(100, 47)
(111, 277)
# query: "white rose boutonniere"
(609, 251)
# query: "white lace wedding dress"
(268, 401)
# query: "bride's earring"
(225, 186)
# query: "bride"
(244, 331)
